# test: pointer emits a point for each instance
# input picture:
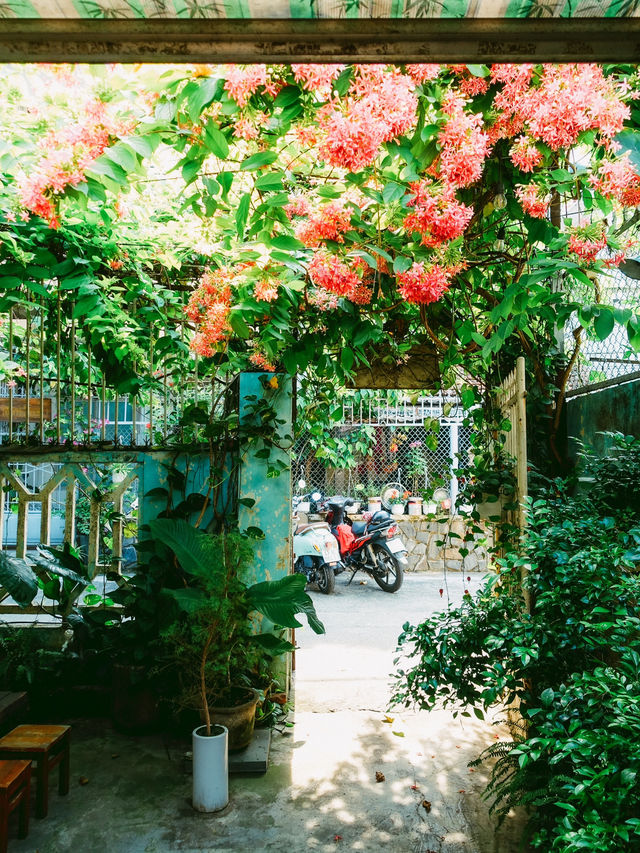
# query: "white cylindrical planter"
(374, 505)
(210, 769)
(397, 509)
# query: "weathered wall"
(615, 408)
(271, 511)
(421, 536)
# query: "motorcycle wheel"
(325, 579)
(388, 571)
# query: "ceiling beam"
(293, 40)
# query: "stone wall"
(421, 535)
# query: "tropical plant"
(212, 639)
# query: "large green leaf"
(18, 578)
(280, 600)
(197, 551)
(188, 600)
(272, 644)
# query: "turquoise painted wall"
(271, 511)
(614, 409)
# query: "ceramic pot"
(374, 505)
(397, 509)
(210, 769)
(239, 720)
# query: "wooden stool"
(47, 746)
(15, 790)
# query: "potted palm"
(213, 643)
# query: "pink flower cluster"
(328, 222)
(266, 290)
(249, 128)
(260, 360)
(464, 144)
(566, 101)
(328, 271)
(438, 216)
(588, 243)
(381, 106)
(524, 154)
(534, 200)
(298, 206)
(423, 72)
(69, 153)
(618, 179)
(208, 307)
(316, 78)
(424, 283)
(243, 81)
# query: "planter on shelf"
(397, 509)
(374, 504)
(354, 508)
(415, 506)
(238, 718)
(487, 509)
(429, 508)
(210, 769)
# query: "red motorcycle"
(372, 545)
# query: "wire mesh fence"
(385, 438)
(611, 358)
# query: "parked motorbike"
(315, 550)
(373, 545)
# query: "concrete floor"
(132, 795)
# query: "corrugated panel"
(312, 9)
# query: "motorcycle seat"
(310, 526)
(359, 527)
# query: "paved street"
(348, 668)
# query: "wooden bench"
(11, 706)
(47, 746)
(15, 791)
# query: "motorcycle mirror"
(315, 496)
(301, 485)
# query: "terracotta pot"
(238, 719)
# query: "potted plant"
(214, 643)
(431, 496)
(489, 484)
(397, 501)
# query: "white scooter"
(315, 548)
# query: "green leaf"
(478, 70)
(85, 305)
(256, 161)
(347, 358)
(209, 89)
(272, 645)
(286, 242)
(238, 325)
(19, 579)
(190, 171)
(604, 323)
(242, 214)
(198, 552)
(547, 696)
(401, 264)
(188, 600)
(270, 182)
(216, 141)
(281, 600)
(287, 96)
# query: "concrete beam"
(281, 41)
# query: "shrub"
(572, 663)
